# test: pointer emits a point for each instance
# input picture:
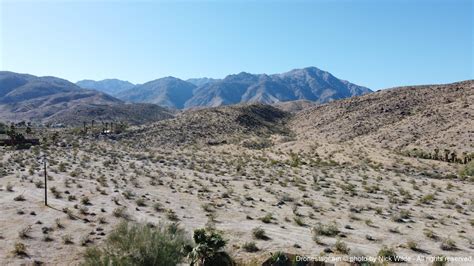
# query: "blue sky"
(378, 44)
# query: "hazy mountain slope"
(300, 84)
(317, 85)
(170, 92)
(201, 81)
(16, 87)
(224, 92)
(39, 99)
(431, 116)
(109, 86)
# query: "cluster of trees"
(15, 137)
(446, 155)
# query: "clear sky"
(374, 43)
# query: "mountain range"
(25, 97)
(308, 83)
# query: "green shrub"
(259, 233)
(209, 249)
(440, 261)
(388, 254)
(250, 247)
(139, 244)
(468, 170)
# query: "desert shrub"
(85, 200)
(39, 184)
(67, 239)
(259, 233)
(279, 258)
(209, 249)
(267, 218)
(412, 245)
(19, 249)
(401, 216)
(326, 230)
(430, 234)
(158, 207)
(140, 202)
(388, 254)
(25, 232)
(140, 244)
(171, 215)
(207, 207)
(120, 212)
(427, 199)
(440, 261)
(250, 247)
(299, 221)
(468, 170)
(448, 244)
(341, 247)
(19, 198)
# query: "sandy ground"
(361, 189)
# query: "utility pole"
(45, 182)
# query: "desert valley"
(298, 163)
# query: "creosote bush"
(259, 233)
(326, 230)
(388, 254)
(140, 244)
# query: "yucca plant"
(209, 249)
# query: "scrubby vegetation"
(140, 244)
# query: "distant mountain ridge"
(202, 81)
(168, 92)
(109, 86)
(299, 84)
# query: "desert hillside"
(427, 117)
(214, 126)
